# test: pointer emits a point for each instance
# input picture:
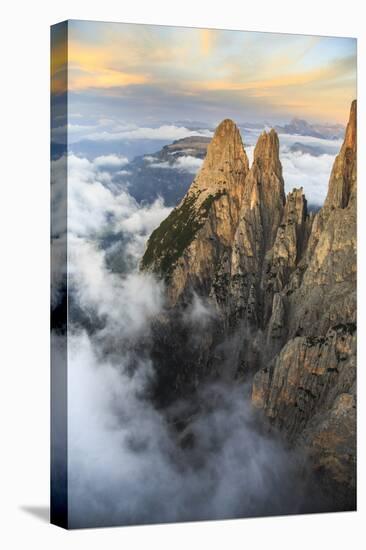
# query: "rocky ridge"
(309, 389)
(302, 127)
(282, 284)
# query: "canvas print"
(203, 246)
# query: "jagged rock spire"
(266, 153)
(342, 182)
(267, 186)
(291, 233)
(226, 164)
(226, 149)
(340, 204)
(262, 204)
(190, 243)
(260, 216)
(282, 261)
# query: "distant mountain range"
(303, 148)
(301, 127)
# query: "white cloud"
(250, 153)
(93, 207)
(110, 161)
(186, 163)
(58, 197)
(163, 164)
(189, 164)
(145, 218)
(331, 146)
(126, 467)
(123, 173)
(311, 173)
(199, 313)
(165, 132)
(126, 303)
(97, 208)
(75, 132)
(90, 202)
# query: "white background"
(24, 305)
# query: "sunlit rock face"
(190, 244)
(280, 286)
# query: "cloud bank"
(110, 161)
(185, 163)
(128, 466)
(113, 129)
(311, 173)
(96, 205)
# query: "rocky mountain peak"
(226, 163)
(188, 244)
(264, 197)
(266, 153)
(229, 217)
(266, 172)
(342, 183)
(350, 139)
(291, 234)
(226, 143)
(296, 206)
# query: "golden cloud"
(205, 64)
(104, 78)
(282, 81)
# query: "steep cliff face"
(282, 266)
(190, 243)
(259, 219)
(282, 283)
(343, 179)
(309, 389)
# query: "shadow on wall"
(40, 512)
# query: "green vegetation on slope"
(168, 242)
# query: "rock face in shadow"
(309, 388)
(260, 216)
(279, 286)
